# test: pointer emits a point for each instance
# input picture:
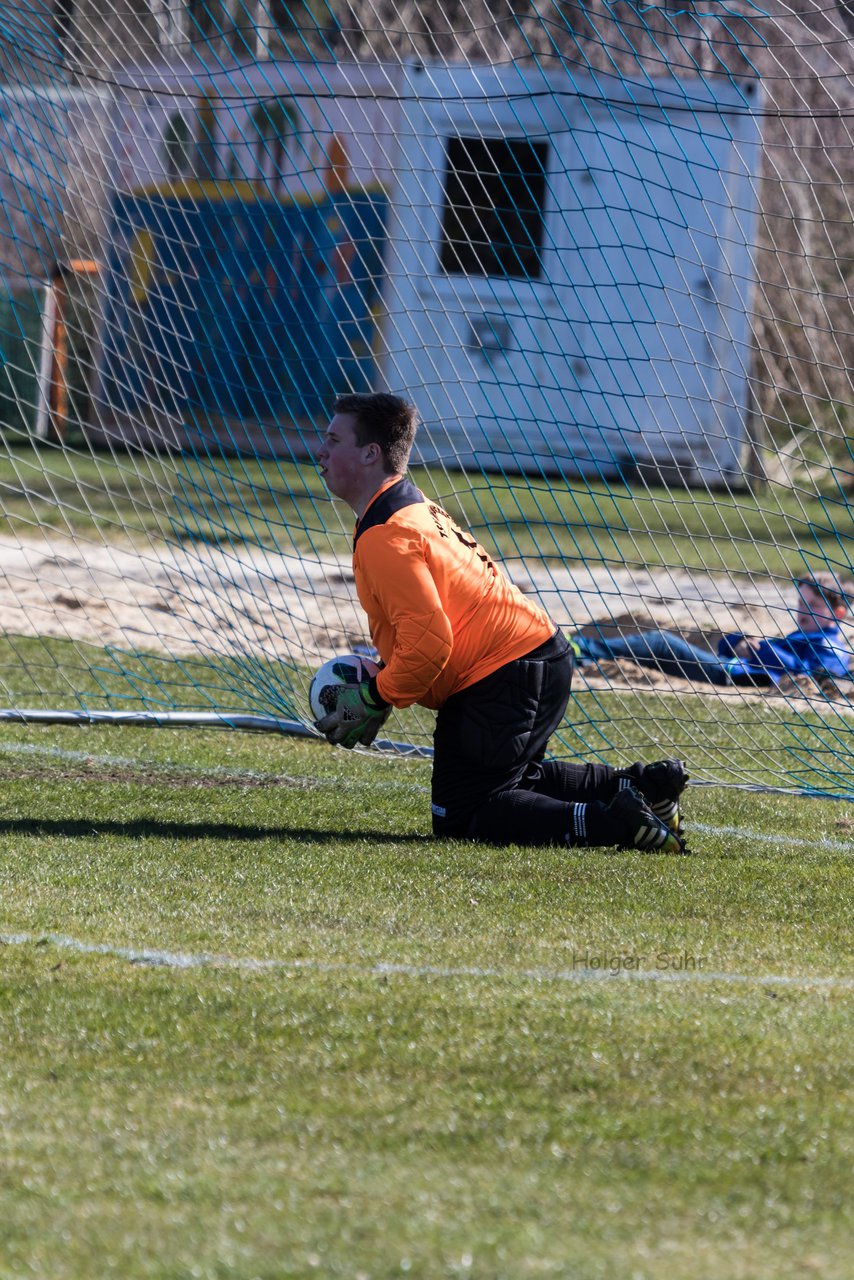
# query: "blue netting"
(603, 247)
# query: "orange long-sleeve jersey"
(441, 614)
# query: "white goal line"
(248, 722)
(156, 957)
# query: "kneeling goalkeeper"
(455, 635)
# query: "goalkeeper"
(455, 635)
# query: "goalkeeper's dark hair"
(383, 419)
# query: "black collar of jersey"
(394, 498)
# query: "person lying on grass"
(815, 648)
(456, 636)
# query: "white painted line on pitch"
(60, 753)
(838, 846)
(250, 964)
(127, 762)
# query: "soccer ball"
(348, 668)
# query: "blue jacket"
(802, 653)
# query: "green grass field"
(257, 1023)
(284, 506)
(766, 742)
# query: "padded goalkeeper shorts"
(488, 736)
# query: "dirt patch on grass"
(250, 603)
(177, 779)
(203, 599)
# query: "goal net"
(605, 249)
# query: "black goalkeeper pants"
(489, 779)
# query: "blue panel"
(240, 310)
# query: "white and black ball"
(347, 668)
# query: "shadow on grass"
(144, 828)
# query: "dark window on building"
(63, 22)
(178, 146)
(493, 209)
(208, 18)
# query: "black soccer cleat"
(635, 826)
(660, 784)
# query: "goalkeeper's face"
(341, 459)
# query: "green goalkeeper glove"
(357, 718)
